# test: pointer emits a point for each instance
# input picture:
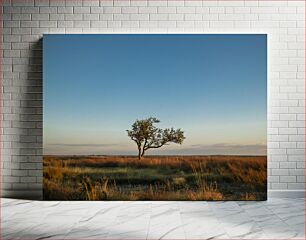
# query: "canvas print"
(155, 117)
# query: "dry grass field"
(155, 178)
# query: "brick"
(167, 24)
(28, 179)
(176, 3)
(279, 124)
(297, 138)
(202, 10)
(11, 53)
(105, 17)
(11, 24)
(6, 172)
(160, 17)
(91, 16)
(41, 3)
(65, 24)
(157, 3)
(288, 179)
(273, 165)
(36, 173)
(193, 17)
(300, 179)
(57, 17)
(279, 186)
(38, 31)
(63, 10)
(75, 16)
(296, 172)
(264, 24)
(147, 9)
(83, 10)
(20, 186)
(166, 10)
(130, 24)
(19, 173)
(277, 151)
(273, 179)
(288, 53)
(129, 10)
(296, 186)
(189, 3)
(222, 24)
(287, 10)
(268, 10)
(48, 24)
(25, 3)
(20, 46)
(96, 10)
(287, 165)
(242, 10)
(138, 3)
(139, 17)
(73, 3)
(98, 24)
(299, 157)
(48, 10)
(296, 110)
(91, 3)
(81, 24)
(186, 10)
(176, 17)
(21, 31)
(185, 24)
(148, 24)
(121, 17)
(229, 17)
(290, 116)
(287, 145)
(122, 3)
(300, 165)
(29, 10)
(40, 16)
(11, 179)
(296, 151)
(289, 103)
(21, 16)
(10, 9)
(297, 124)
(300, 145)
(231, 3)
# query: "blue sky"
(212, 86)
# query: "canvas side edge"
(22, 194)
(37, 194)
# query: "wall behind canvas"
(24, 22)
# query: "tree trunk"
(139, 153)
(143, 152)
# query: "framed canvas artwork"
(155, 116)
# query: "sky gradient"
(213, 86)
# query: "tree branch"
(157, 146)
(144, 148)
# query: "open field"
(155, 178)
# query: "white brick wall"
(24, 22)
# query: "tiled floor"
(273, 219)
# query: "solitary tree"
(147, 136)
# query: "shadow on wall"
(26, 139)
